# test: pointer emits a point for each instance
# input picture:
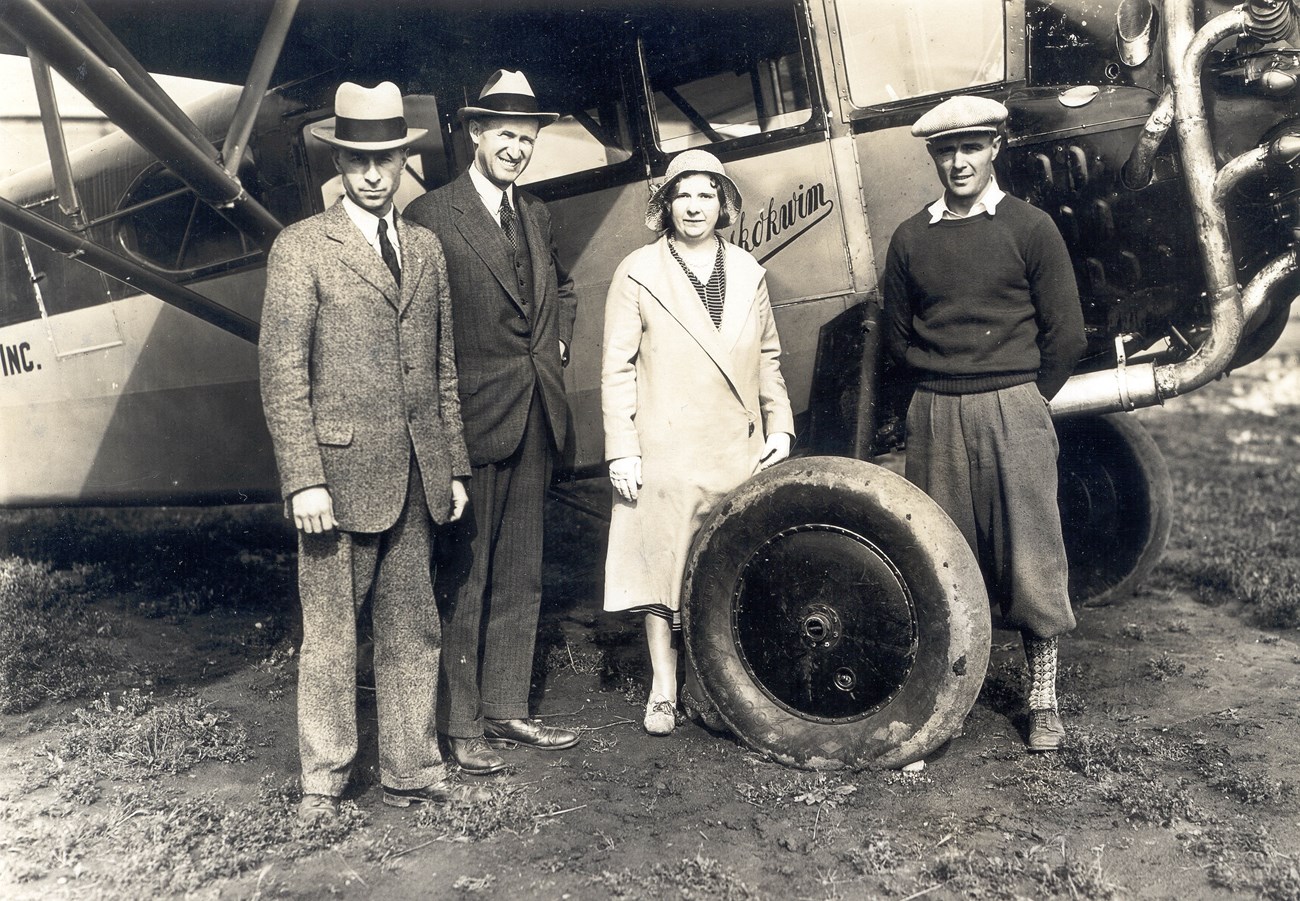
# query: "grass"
(48, 645)
(1236, 509)
(692, 878)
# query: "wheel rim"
(824, 623)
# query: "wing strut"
(37, 27)
(259, 78)
(52, 125)
(75, 246)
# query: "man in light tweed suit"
(359, 385)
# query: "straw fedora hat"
(507, 94)
(690, 162)
(367, 119)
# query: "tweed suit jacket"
(356, 372)
(505, 344)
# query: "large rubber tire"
(835, 616)
(1116, 505)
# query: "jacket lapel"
(539, 251)
(743, 277)
(668, 284)
(483, 235)
(358, 255)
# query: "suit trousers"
(336, 571)
(490, 586)
(989, 460)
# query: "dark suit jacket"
(505, 344)
(355, 372)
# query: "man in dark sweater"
(981, 302)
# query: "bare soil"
(1178, 780)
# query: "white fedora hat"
(507, 94)
(368, 119)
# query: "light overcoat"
(507, 343)
(695, 402)
(356, 372)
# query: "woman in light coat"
(692, 399)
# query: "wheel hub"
(824, 623)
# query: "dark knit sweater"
(985, 302)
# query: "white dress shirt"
(368, 222)
(490, 194)
(987, 203)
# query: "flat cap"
(962, 113)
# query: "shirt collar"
(987, 203)
(488, 192)
(368, 222)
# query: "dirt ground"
(1178, 780)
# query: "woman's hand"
(625, 474)
(775, 450)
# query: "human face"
(695, 207)
(371, 177)
(964, 162)
(503, 146)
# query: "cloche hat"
(367, 119)
(507, 94)
(690, 162)
(963, 113)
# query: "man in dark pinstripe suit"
(513, 314)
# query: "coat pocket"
(334, 434)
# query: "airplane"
(834, 615)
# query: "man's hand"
(775, 450)
(313, 510)
(564, 353)
(459, 499)
(625, 474)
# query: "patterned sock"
(1041, 656)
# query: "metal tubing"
(52, 125)
(1108, 391)
(1186, 53)
(1254, 300)
(259, 78)
(68, 242)
(1137, 170)
(35, 26)
(81, 20)
(1252, 162)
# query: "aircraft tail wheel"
(1116, 505)
(835, 616)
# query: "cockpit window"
(711, 81)
(898, 49)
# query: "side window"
(168, 227)
(712, 81)
(898, 49)
(582, 140)
(17, 300)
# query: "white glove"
(775, 450)
(625, 474)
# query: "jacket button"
(407, 367)
(751, 430)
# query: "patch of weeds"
(1164, 667)
(1003, 689)
(471, 884)
(695, 877)
(48, 650)
(1241, 857)
(1046, 783)
(1134, 631)
(1178, 626)
(133, 735)
(877, 855)
(1256, 789)
(582, 663)
(512, 812)
(1038, 872)
(1154, 801)
(164, 843)
(796, 788)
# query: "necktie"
(386, 251)
(507, 214)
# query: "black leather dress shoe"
(444, 791)
(530, 733)
(475, 756)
